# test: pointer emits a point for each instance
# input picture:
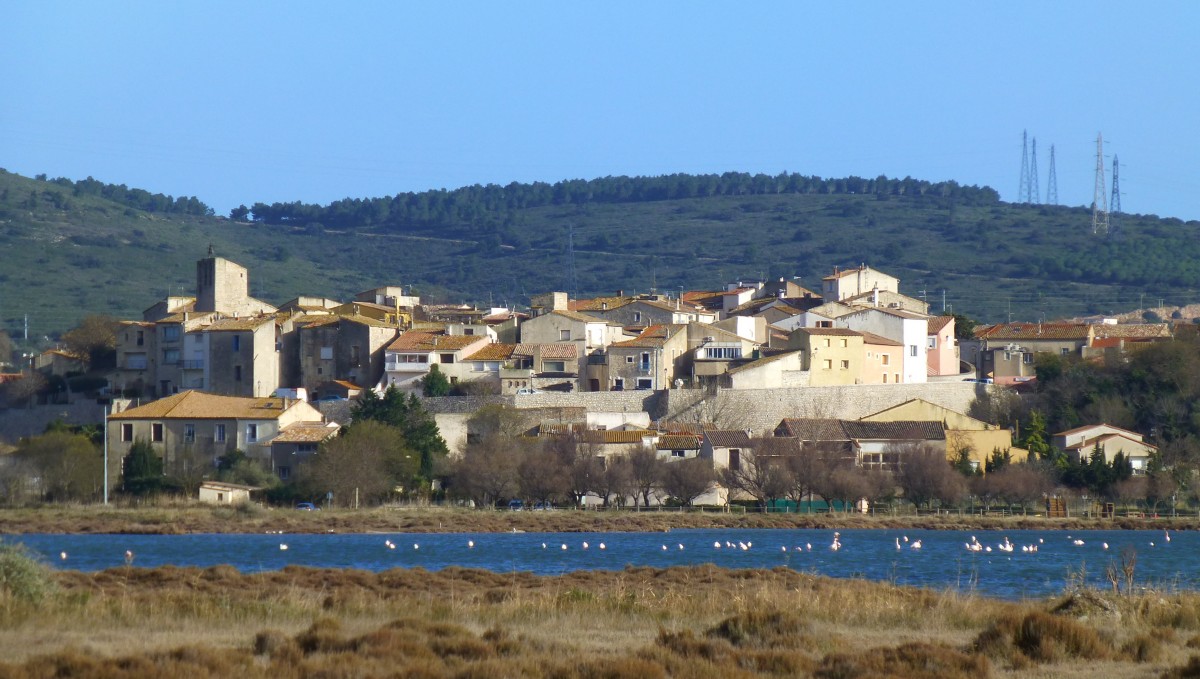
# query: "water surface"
(942, 562)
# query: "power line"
(1052, 185)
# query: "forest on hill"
(79, 247)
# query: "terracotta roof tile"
(198, 405)
(616, 436)
(306, 432)
(498, 351)
(551, 350)
(900, 430)
(812, 429)
(879, 340)
(728, 438)
(239, 324)
(1035, 331)
(653, 337)
(938, 322)
(1134, 331)
(428, 341)
(678, 442)
(695, 428)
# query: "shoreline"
(188, 519)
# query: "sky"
(237, 102)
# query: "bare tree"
(542, 476)
(1022, 484)
(616, 483)
(646, 473)
(21, 392)
(581, 462)
(69, 466)
(487, 471)
(831, 469)
(686, 480)
(926, 475)
(759, 474)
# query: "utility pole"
(1033, 175)
(1099, 199)
(943, 301)
(1023, 189)
(1052, 186)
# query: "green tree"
(370, 460)
(142, 469)
(410, 417)
(435, 383)
(94, 340)
(69, 465)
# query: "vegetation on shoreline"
(699, 621)
(180, 518)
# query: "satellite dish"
(678, 383)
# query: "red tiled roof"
(938, 322)
(728, 438)
(550, 350)
(678, 442)
(427, 341)
(498, 351)
(1034, 331)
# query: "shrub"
(22, 576)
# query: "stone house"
(780, 370)
(333, 348)
(911, 330)
(844, 284)
(296, 443)
(831, 356)
(219, 493)
(194, 427)
(409, 358)
(1079, 443)
(243, 356)
(962, 431)
(648, 361)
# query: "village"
(857, 370)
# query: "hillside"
(70, 252)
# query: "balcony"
(516, 373)
(402, 367)
(192, 365)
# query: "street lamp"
(106, 409)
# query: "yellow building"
(832, 356)
(962, 431)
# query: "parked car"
(307, 507)
(515, 505)
(526, 391)
(542, 506)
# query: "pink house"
(883, 360)
(942, 349)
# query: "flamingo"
(564, 546)
(282, 547)
(602, 546)
(897, 543)
(716, 545)
(416, 546)
(681, 546)
(1104, 545)
(585, 545)
(915, 545)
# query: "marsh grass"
(696, 621)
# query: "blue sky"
(239, 102)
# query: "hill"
(73, 248)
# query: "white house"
(908, 328)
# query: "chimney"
(875, 295)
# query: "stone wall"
(598, 401)
(761, 409)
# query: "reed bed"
(176, 517)
(694, 621)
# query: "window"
(554, 366)
(326, 353)
(170, 356)
(645, 383)
(912, 350)
(285, 473)
(126, 432)
(932, 342)
(141, 337)
(735, 459)
(135, 361)
(824, 324)
(156, 432)
(251, 433)
(219, 433)
(827, 342)
(887, 358)
(677, 453)
(170, 333)
(189, 433)
(619, 384)
(355, 354)
(645, 360)
(829, 364)
(885, 378)
(629, 359)
(564, 335)
(1028, 358)
(470, 332)
(237, 342)
(237, 373)
(844, 343)
(446, 358)
(637, 317)
(845, 365)
(1066, 351)
(896, 378)
(724, 352)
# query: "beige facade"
(832, 356)
(941, 350)
(883, 360)
(853, 282)
(224, 286)
(244, 357)
(341, 348)
(1079, 443)
(648, 361)
(962, 431)
(217, 493)
(194, 428)
(778, 371)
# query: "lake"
(942, 562)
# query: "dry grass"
(698, 621)
(176, 517)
